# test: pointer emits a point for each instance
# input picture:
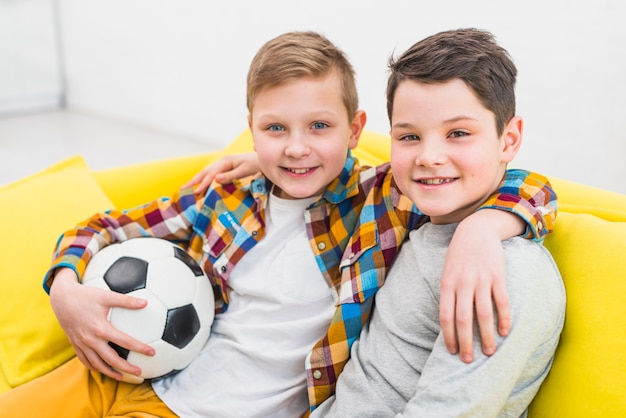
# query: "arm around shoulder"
(506, 382)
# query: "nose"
(431, 152)
(297, 146)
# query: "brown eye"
(458, 134)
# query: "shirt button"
(321, 246)
(317, 374)
(539, 225)
(255, 233)
(223, 269)
(351, 256)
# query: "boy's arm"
(81, 310)
(449, 388)
(474, 269)
(82, 313)
(530, 196)
(164, 218)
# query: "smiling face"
(302, 133)
(446, 155)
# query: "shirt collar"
(346, 184)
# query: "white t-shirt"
(280, 306)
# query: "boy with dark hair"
(294, 255)
(451, 105)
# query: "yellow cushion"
(35, 210)
(579, 198)
(135, 184)
(373, 149)
(589, 371)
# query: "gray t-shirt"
(400, 365)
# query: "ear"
(250, 127)
(356, 127)
(512, 138)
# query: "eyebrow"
(316, 114)
(460, 118)
(406, 125)
(403, 125)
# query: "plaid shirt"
(355, 229)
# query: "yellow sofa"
(589, 245)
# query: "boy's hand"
(473, 274)
(82, 312)
(225, 170)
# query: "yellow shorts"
(72, 390)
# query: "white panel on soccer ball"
(144, 324)
(148, 248)
(159, 365)
(97, 281)
(101, 261)
(176, 358)
(204, 301)
(172, 280)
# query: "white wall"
(180, 65)
(30, 74)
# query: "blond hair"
(296, 55)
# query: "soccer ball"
(177, 319)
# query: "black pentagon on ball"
(189, 261)
(126, 274)
(121, 351)
(181, 326)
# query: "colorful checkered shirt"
(355, 230)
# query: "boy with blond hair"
(451, 104)
(294, 254)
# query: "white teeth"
(299, 170)
(435, 181)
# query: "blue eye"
(275, 128)
(409, 138)
(319, 125)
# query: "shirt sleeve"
(167, 218)
(530, 196)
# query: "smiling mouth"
(435, 181)
(298, 170)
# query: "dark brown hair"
(471, 55)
